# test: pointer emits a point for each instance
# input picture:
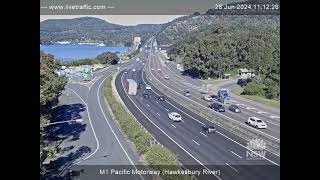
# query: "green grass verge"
(260, 99)
(158, 157)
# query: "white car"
(208, 98)
(134, 70)
(166, 77)
(257, 123)
(152, 69)
(148, 87)
(176, 117)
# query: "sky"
(126, 20)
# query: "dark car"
(209, 129)
(161, 98)
(146, 95)
(186, 93)
(139, 86)
(217, 107)
(234, 108)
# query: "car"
(146, 95)
(208, 98)
(186, 93)
(166, 77)
(234, 108)
(139, 86)
(161, 98)
(257, 123)
(209, 129)
(133, 70)
(152, 69)
(217, 107)
(126, 72)
(148, 87)
(176, 117)
(159, 70)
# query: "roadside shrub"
(159, 155)
(253, 88)
(272, 92)
(142, 142)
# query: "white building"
(246, 73)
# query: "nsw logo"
(256, 149)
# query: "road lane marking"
(148, 105)
(247, 148)
(173, 125)
(232, 167)
(261, 112)
(196, 142)
(204, 106)
(166, 109)
(235, 154)
(166, 133)
(203, 134)
(158, 114)
(94, 133)
(275, 117)
(250, 108)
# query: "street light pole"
(60, 122)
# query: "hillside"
(88, 29)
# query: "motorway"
(221, 150)
(263, 109)
(179, 83)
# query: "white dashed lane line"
(232, 167)
(148, 105)
(236, 154)
(173, 126)
(158, 114)
(195, 142)
(203, 134)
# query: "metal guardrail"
(233, 127)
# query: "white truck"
(131, 87)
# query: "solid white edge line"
(217, 113)
(164, 132)
(217, 131)
(94, 133)
(111, 127)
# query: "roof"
(255, 118)
(131, 81)
(175, 113)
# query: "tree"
(108, 58)
(51, 86)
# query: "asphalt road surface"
(221, 150)
(179, 84)
(108, 147)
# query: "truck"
(223, 96)
(131, 87)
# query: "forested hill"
(230, 43)
(92, 30)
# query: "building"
(246, 73)
(136, 40)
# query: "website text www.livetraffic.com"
(77, 7)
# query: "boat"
(101, 44)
